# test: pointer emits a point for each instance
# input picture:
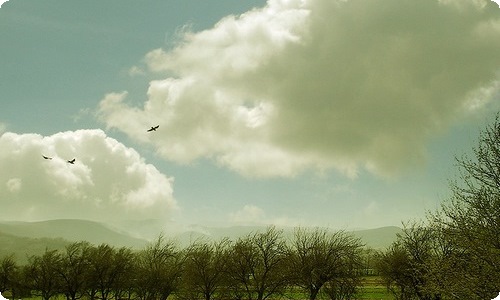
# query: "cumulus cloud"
(107, 182)
(2, 2)
(318, 84)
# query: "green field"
(373, 288)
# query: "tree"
(394, 267)
(408, 266)
(346, 285)
(205, 269)
(8, 270)
(318, 256)
(159, 270)
(41, 274)
(124, 260)
(257, 265)
(470, 220)
(73, 269)
(108, 268)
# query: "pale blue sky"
(342, 114)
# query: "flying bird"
(153, 128)
(46, 157)
(72, 161)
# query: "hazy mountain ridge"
(377, 238)
(32, 238)
(72, 230)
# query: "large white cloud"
(318, 84)
(107, 182)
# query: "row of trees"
(259, 266)
(455, 252)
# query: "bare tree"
(257, 265)
(205, 269)
(73, 269)
(159, 270)
(108, 268)
(41, 274)
(319, 256)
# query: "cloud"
(107, 182)
(250, 215)
(318, 84)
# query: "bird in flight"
(72, 161)
(153, 128)
(46, 157)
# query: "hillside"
(23, 247)
(72, 230)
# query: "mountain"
(72, 231)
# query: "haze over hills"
(32, 238)
(23, 247)
(72, 230)
(378, 238)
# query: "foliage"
(470, 220)
(8, 269)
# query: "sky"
(339, 113)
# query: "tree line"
(259, 266)
(454, 253)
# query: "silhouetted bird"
(153, 128)
(72, 161)
(46, 157)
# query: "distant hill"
(73, 231)
(23, 247)
(32, 238)
(378, 238)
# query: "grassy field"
(374, 289)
